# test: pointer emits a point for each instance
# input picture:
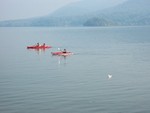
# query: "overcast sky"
(20, 9)
(17, 9)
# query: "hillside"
(125, 12)
(131, 12)
(85, 7)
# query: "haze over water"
(34, 81)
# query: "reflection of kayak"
(60, 53)
(38, 47)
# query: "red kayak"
(60, 53)
(38, 47)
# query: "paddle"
(58, 49)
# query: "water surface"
(33, 81)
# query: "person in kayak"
(64, 51)
(37, 45)
(43, 45)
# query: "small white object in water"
(59, 49)
(109, 76)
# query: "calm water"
(36, 82)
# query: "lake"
(34, 81)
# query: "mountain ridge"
(129, 12)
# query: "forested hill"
(132, 12)
(121, 13)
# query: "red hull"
(62, 53)
(38, 47)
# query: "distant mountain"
(131, 12)
(93, 13)
(96, 21)
(85, 7)
(133, 6)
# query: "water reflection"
(60, 59)
(38, 51)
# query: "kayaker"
(43, 44)
(64, 51)
(37, 44)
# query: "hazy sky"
(17, 9)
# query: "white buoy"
(109, 76)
